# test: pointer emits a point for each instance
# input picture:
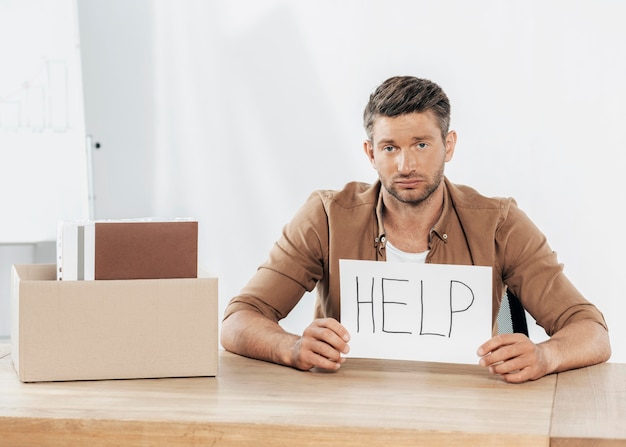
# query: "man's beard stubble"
(431, 186)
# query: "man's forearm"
(251, 334)
(582, 343)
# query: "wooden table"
(590, 407)
(367, 402)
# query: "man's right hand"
(322, 345)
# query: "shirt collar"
(440, 228)
(381, 240)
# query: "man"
(412, 213)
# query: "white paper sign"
(405, 311)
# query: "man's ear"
(450, 145)
(369, 152)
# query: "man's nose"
(407, 162)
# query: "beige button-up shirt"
(472, 230)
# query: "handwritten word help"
(389, 300)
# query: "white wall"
(256, 103)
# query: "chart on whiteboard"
(38, 103)
(43, 157)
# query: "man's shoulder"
(464, 196)
(353, 194)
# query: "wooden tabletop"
(590, 407)
(367, 402)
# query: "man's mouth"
(408, 183)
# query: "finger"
(325, 350)
(306, 354)
(321, 355)
(501, 354)
(495, 343)
(518, 376)
(332, 333)
(319, 361)
(336, 327)
(510, 366)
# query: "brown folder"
(146, 250)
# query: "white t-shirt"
(396, 255)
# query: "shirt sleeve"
(532, 271)
(295, 264)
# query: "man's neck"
(408, 226)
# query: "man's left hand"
(515, 357)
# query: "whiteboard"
(43, 157)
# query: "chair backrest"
(512, 316)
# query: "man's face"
(409, 154)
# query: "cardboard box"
(117, 329)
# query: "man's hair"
(400, 95)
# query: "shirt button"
(444, 236)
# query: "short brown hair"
(400, 95)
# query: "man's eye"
(422, 145)
(388, 149)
